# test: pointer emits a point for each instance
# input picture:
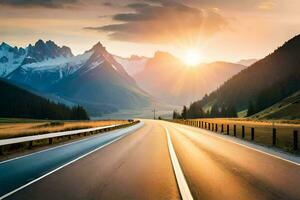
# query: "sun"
(192, 57)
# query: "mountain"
(132, 65)
(247, 62)
(102, 81)
(288, 108)
(264, 83)
(10, 58)
(168, 79)
(17, 102)
(93, 79)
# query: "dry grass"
(19, 127)
(262, 130)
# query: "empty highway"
(137, 163)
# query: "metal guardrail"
(14, 143)
(52, 135)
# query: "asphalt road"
(138, 166)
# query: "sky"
(227, 30)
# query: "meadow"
(10, 128)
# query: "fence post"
(30, 144)
(234, 130)
(208, 126)
(216, 127)
(222, 128)
(252, 133)
(274, 137)
(227, 129)
(1, 150)
(243, 131)
(295, 140)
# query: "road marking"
(243, 145)
(68, 163)
(182, 184)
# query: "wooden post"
(295, 140)
(208, 126)
(274, 137)
(252, 134)
(234, 130)
(243, 131)
(216, 127)
(222, 128)
(227, 129)
(2, 150)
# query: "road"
(137, 165)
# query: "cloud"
(38, 3)
(163, 21)
(267, 5)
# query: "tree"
(231, 111)
(251, 109)
(184, 112)
(195, 111)
(176, 115)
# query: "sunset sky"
(227, 30)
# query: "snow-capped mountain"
(10, 58)
(93, 79)
(101, 82)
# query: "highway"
(136, 164)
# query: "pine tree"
(251, 109)
(184, 112)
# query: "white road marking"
(182, 184)
(51, 172)
(226, 138)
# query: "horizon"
(132, 55)
(120, 25)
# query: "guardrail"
(286, 138)
(28, 141)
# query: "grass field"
(263, 130)
(10, 128)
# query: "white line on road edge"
(51, 172)
(182, 184)
(243, 143)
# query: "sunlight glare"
(192, 57)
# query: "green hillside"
(288, 108)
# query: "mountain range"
(168, 79)
(104, 83)
(93, 79)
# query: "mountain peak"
(43, 50)
(5, 45)
(98, 46)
